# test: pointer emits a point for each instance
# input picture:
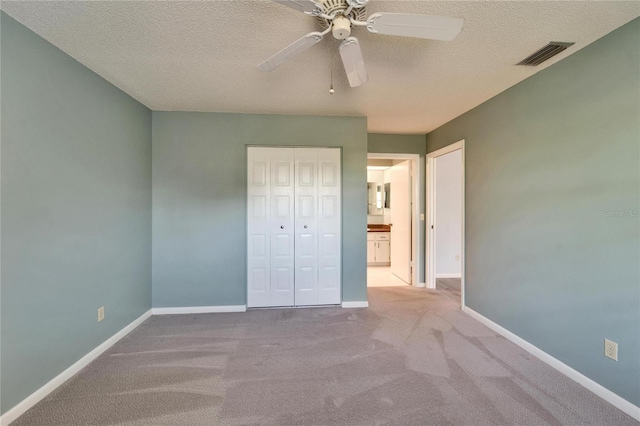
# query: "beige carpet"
(411, 359)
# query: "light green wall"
(199, 200)
(76, 211)
(406, 144)
(545, 162)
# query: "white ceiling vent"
(547, 52)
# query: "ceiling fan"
(339, 16)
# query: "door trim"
(429, 262)
(415, 212)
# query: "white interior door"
(282, 227)
(258, 236)
(294, 226)
(431, 196)
(270, 232)
(329, 226)
(401, 221)
(306, 227)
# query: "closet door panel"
(329, 226)
(306, 219)
(281, 227)
(258, 232)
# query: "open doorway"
(392, 220)
(445, 221)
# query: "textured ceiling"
(202, 55)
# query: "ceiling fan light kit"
(341, 28)
(341, 15)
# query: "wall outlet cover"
(611, 349)
(100, 313)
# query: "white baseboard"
(199, 309)
(453, 275)
(604, 393)
(421, 285)
(357, 304)
(50, 386)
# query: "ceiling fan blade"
(353, 62)
(290, 51)
(309, 7)
(410, 25)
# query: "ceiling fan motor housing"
(341, 27)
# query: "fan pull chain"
(331, 91)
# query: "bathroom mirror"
(375, 199)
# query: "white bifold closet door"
(293, 229)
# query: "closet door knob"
(281, 226)
(305, 227)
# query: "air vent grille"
(547, 52)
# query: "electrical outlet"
(611, 349)
(100, 313)
(457, 258)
